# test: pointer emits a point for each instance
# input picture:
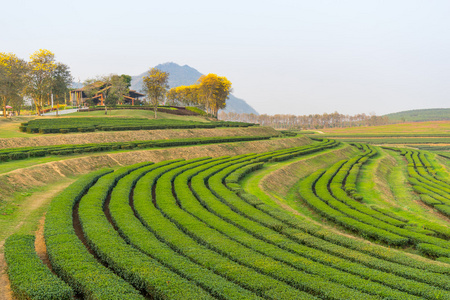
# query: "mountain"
(421, 115)
(185, 75)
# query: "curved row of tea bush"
(69, 257)
(29, 278)
(40, 151)
(197, 227)
(312, 235)
(66, 125)
(143, 272)
(132, 230)
(168, 243)
(433, 191)
(315, 261)
(324, 200)
(201, 254)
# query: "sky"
(282, 57)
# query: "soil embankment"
(136, 135)
(39, 175)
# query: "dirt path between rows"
(43, 174)
(33, 203)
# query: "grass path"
(383, 182)
(25, 220)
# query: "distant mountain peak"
(186, 75)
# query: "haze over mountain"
(186, 75)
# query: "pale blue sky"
(297, 57)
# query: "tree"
(12, 74)
(155, 87)
(62, 80)
(214, 91)
(111, 88)
(119, 87)
(40, 77)
(127, 79)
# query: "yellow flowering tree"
(12, 74)
(42, 66)
(213, 92)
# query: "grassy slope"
(420, 115)
(261, 184)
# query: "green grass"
(432, 127)
(149, 114)
(405, 201)
(21, 216)
(251, 182)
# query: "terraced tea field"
(309, 219)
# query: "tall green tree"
(127, 79)
(12, 81)
(155, 87)
(62, 80)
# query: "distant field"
(402, 129)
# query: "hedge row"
(314, 236)
(217, 239)
(29, 152)
(317, 262)
(143, 272)
(66, 125)
(168, 232)
(432, 189)
(28, 276)
(136, 234)
(69, 257)
(335, 209)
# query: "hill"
(421, 115)
(186, 75)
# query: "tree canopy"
(155, 86)
(12, 83)
(210, 93)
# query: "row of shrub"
(215, 183)
(66, 125)
(132, 230)
(170, 234)
(29, 152)
(370, 255)
(69, 257)
(323, 198)
(433, 191)
(29, 278)
(414, 237)
(209, 229)
(143, 272)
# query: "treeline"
(42, 79)
(315, 121)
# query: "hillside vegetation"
(263, 215)
(421, 115)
